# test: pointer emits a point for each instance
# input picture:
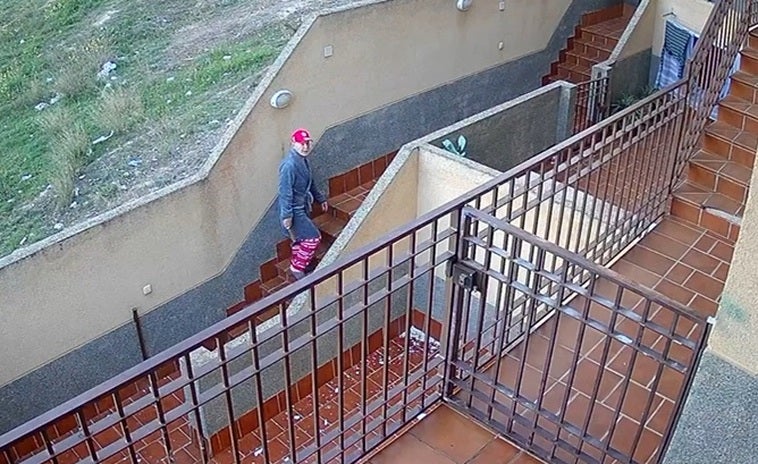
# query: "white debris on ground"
(418, 337)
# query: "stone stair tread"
(723, 167)
(706, 198)
(750, 52)
(589, 43)
(612, 28)
(746, 78)
(581, 54)
(722, 130)
(740, 105)
(330, 224)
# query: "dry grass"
(67, 151)
(120, 109)
(79, 68)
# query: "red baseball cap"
(301, 136)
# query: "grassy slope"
(50, 47)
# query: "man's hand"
(325, 206)
(287, 223)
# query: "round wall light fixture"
(463, 5)
(281, 99)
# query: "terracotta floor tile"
(410, 450)
(705, 285)
(652, 261)
(525, 458)
(674, 291)
(497, 451)
(453, 434)
(664, 245)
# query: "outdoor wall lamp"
(463, 5)
(281, 99)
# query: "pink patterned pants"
(303, 252)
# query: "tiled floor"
(447, 437)
(283, 442)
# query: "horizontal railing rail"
(593, 195)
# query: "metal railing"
(364, 344)
(707, 72)
(578, 342)
(592, 105)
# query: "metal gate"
(568, 359)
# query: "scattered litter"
(58, 226)
(23, 240)
(106, 69)
(421, 416)
(56, 98)
(49, 80)
(258, 451)
(73, 205)
(227, 57)
(41, 106)
(26, 177)
(297, 416)
(189, 93)
(102, 138)
(135, 162)
(170, 79)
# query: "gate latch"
(464, 276)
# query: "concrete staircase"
(592, 43)
(715, 189)
(346, 193)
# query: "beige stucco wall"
(735, 335)
(82, 283)
(639, 36)
(690, 13)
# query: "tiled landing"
(683, 261)
(447, 437)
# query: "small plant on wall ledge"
(457, 149)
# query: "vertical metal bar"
(532, 306)
(258, 388)
(603, 360)
(340, 363)
(549, 355)
(314, 372)
(153, 379)
(365, 348)
(140, 335)
(575, 359)
(686, 387)
(505, 330)
(653, 391)
(48, 445)
(228, 399)
(292, 448)
(87, 436)
(386, 363)
(196, 409)
(454, 309)
(124, 427)
(627, 378)
(482, 309)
